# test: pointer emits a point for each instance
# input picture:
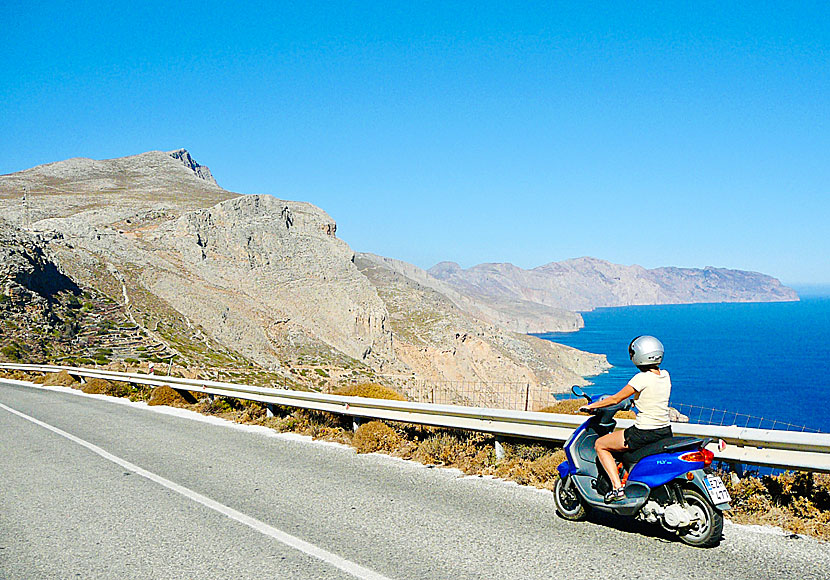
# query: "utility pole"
(26, 222)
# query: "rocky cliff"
(587, 283)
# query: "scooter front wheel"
(707, 530)
(568, 503)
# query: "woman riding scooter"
(651, 388)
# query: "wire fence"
(710, 416)
(512, 396)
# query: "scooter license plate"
(717, 490)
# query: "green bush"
(13, 351)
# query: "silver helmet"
(645, 350)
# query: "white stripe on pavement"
(347, 566)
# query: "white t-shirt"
(652, 399)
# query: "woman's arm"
(624, 393)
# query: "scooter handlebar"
(621, 406)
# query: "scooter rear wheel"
(568, 503)
(706, 533)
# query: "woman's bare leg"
(605, 445)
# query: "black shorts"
(636, 438)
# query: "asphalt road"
(101, 489)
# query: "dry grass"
(15, 375)
(370, 391)
(570, 406)
(565, 407)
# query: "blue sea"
(767, 362)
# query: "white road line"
(347, 566)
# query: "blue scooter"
(665, 482)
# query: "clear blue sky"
(686, 134)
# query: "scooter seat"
(667, 445)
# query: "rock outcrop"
(587, 283)
(200, 171)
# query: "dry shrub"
(821, 491)
(15, 375)
(104, 387)
(539, 472)
(525, 451)
(785, 488)
(316, 424)
(165, 395)
(375, 436)
(61, 379)
(570, 406)
(440, 449)
(749, 495)
(472, 453)
(796, 502)
(565, 407)
(220, 406)
(370, 391)
(253, 412)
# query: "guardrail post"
(356, 421)
(737, 471)
(269, 409)
(499, 449)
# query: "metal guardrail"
(762, 447)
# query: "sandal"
(615, 495)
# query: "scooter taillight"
(703, 455)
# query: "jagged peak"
(201, 171)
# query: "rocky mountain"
(226, 280)
(587, 283)
(450, 337)
(518, 315)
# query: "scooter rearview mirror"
(577, 390)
